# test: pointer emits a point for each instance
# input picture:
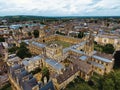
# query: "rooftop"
(27, 61)
(104, 55)
(66, 74)
(54, 64)
(109, 36)
(48, 86)
(102, 59)
(14, 59)
(38, 44)
(97, 65)
(83, 58)
(77, 51)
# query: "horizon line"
(64, 16)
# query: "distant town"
(59, 53)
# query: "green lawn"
(64, 44)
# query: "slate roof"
(54, 64)
(48, 86)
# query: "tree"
(108, 24)
(22, 44)
(108, 48)
(23, 51)
(26, 26)
(117, 79)
(29, 34)
(45, 73)
(2, 39)
(13, 49)
(57, 32)
(81, 35)
(95, 42)
(98, 47)
(10, 32)
(21, 28)
(117, 59)
(108, 84)
(36, 33)
(117, 86)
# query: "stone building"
(108, 39)
(33, 63)
(82, 58)
(54, 51)
(20, 79)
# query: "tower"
(41, 33)
(89, 46)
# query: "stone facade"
(82, 58)
(108, 39)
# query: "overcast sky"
(60, 7)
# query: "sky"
(60, 7)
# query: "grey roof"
(29, 60)
(32, 82)
(38, 44)
(102, 59)
(66, 49)
(48, 86)
(82, 43)
(14, 59)
(28, 85)
(11, 56)
(79, 44)
(16, 66)
(83, 58)
(26, 41)
(97, 64)
(94, 52)
(54, 64)
(77, 51)
(23, 73)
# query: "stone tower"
(41, 33)
(89, 46)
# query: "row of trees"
(35, 33)
(108, 48)
(2, 39)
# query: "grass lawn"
(64, 44)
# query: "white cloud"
(56, 7)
